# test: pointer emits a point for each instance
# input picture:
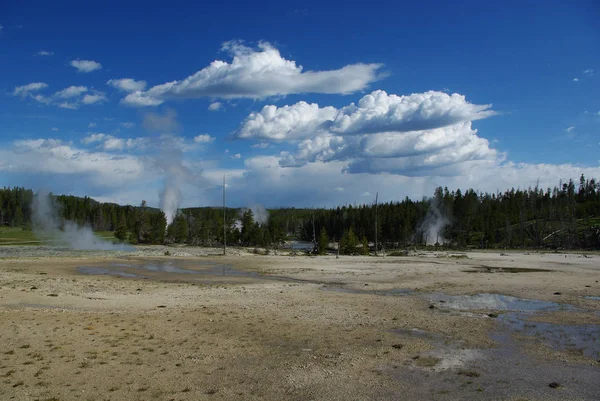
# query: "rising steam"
(261, 215)
(47, 225)
(169, 160)
(432, 227)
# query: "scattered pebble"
(554, 385)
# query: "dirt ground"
(250, 327)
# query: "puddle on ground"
(493, 302)
(495, 269)
(100, 271)
(580, 338)
(166, 266)
(593, 298)
(584, 338)
(451, 371)
(208, 269)
(389, 292)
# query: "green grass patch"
(19, 236)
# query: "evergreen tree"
(323, 241)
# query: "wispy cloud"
(71, 91)
(44, 53)
(68, 98)
(569, 129)
(27, 89)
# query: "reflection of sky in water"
(166, 266)
(99, 271)
(584, 337)
(593, 298)
(492, 301)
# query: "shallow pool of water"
(100, 271)
(584, 338)
(389, 292)
(173, 266)
(493, 302)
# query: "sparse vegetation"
(427, 361)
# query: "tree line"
(566, 216)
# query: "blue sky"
(458, 95)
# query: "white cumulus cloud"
(416, 134)
(215, 106)
(127, 84)
(375, 112)
(203, 138)
(256, 74)
(97, 97)
(298, 121)
(86, 66)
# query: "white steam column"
(376, 199)
(224, 220)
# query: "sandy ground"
(283, 327)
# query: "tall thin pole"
(376, 198)
(224, 221)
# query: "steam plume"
(261, 215)
(432, 227)
(47, 224)
(170, 161)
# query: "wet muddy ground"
(141, 326)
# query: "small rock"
(161, 306)
(557, 293)
(554, 385)
(588, 286)
(52, 295)
(493, 315)
(398, 346)
(431, 306)
(33, 288)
